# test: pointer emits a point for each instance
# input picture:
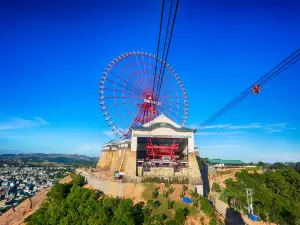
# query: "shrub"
(184, 188)
(166, 194)
(182, 194)
(186, 211)
(195, 202)
(150, 202)
(155, 193)
(206, 207)
(186, 181)
(194, 194)
(212, 222)
(179, 215)
(171, 189)
(170, 204)
(77, 180)
(156, 204)
(173, 222)
(216, 187)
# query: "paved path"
(108, 187)
(221, 206)
(231, 217)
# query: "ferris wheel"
(128, 96)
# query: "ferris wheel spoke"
(132, 73)
(145, 71)
(120, 97)
(131, 76)
(139, 70)
(115, 90)
(122, 71)
(138, 63)
(119, 84)
(169, 111)
(121, 79)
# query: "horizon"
(53, 55)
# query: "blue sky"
(53, 54)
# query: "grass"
(170, 215)
(192, 210)
(147, 193)
(163, 208)
(252, 168)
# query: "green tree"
(78, 180)
(59, 192)
(276, 194)
(298, 167)
(124, 213)
(279, 166)
(179, 215)
(262, 165)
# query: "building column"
(133, 143)
(191, 146)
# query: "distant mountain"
(52, 157)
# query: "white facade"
(163, 127)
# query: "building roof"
(158, 125)
(222, 161)
(162, 121)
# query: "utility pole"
(249, 192)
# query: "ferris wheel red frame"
(126, 89)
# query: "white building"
(159, 148)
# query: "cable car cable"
(263, 80)
(248, 92)
(163, 55)
(232, 104)
(163, 72)
(161, 20)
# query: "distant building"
(221, 163)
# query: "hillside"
(44, 158)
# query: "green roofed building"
(225, 163)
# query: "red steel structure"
(157, 152)
(127, 97)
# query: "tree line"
(276, 194)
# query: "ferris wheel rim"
(106, 111)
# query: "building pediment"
(161, 119)
(162, 125)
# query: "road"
(108, 187)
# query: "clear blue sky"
(52, 54)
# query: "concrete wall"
(131, 168)
(105, 159)
(194, 170)
(113, 160)
(159, 172)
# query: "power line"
(161, 20)
(165, 60)
(166, 37)
(243, 96)
(285, 64)
(246, 94)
